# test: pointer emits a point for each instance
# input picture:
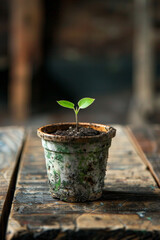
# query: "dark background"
(85, 50)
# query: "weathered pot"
(76, 165)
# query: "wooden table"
(128, 209)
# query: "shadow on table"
(143, 195)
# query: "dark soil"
(82, 131)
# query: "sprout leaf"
(66, 104)
(85, 102)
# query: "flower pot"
(76, 165)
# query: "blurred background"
(70, 49)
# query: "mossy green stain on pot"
(76, 171)
(57, 181)
(49, 154)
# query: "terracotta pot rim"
(43, 132)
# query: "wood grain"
(128, 209)
(11, 139)
(147, 140)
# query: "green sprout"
(83, 103)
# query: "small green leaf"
(66, 104)
(85, 102)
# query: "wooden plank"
(11, 140)
(129, 206)
(147, 140)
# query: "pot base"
(94, 197)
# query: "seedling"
(83, 103)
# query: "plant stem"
(76, 111)
(76, 121)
